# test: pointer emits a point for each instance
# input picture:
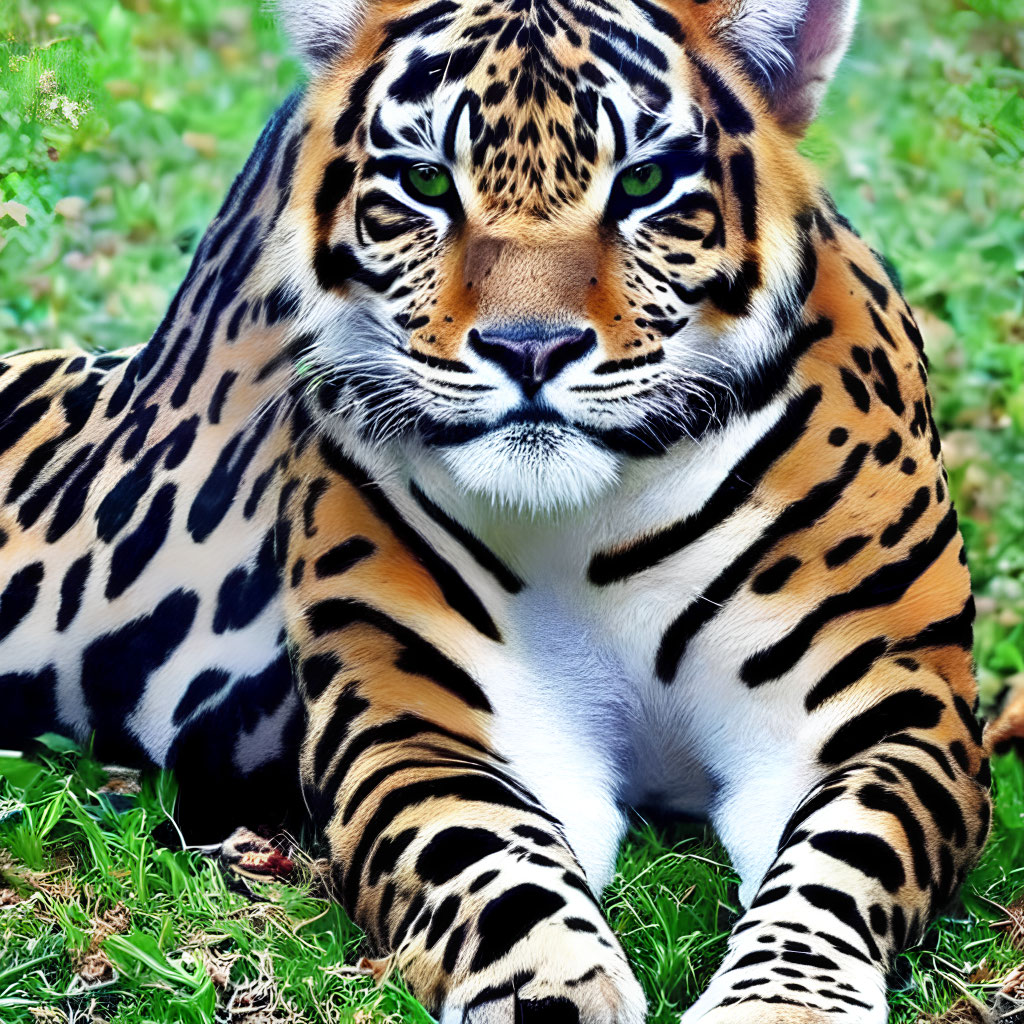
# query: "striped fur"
(466, 522)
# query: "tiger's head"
(535, 238)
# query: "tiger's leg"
(457, 873)
(877, 847)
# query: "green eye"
(429, 180)
(641, 180)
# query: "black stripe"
(734, 491)
(847, 671)
(907, 709)
(343, 557)
(877, 798)
(869, 854)
(469, 788)
(482, 554)
(418, 656)
(798, 515)
(935, 798)
(397, 731)
(844, 907)
(885, 586)
(453, 587)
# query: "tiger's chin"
(533, 467)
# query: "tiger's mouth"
(528, 423)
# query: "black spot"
(510, 917)
(879, 920)
(317, 673)
(453, 850)
(246, 591)
(115, 667)
(861, 358)
(343, 556)
(775, 577)
(452, 949)
(220, 488)
(19, 597)
(535, 835)
(552, 1010)
(838, 436)
(481, 881)
(888, 448)
(770, 896)
(580, 924)
(855, 387)
(220, 395)
(30, 705)
(71, 589)
(895, 532)
(759, 956)
(442, 920)
(135, 551)
(845, 550)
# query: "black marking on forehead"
(655, 91)
(661, 20)
(732, 115)
(618, 129)
(421, 76)
(349, 119)
(427, 22)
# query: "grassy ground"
(121, 126)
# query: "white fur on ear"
(319, 29)
(793, 47)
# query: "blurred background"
(122, 124)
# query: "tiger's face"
(535, 239)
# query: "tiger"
(530, 441)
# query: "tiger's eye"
(641, 180)
(430, 180)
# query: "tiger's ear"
(319, 29)
(791, 47)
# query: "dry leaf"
(70, 207)
(18, 212)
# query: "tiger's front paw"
(559, 976)
(767, 1013)
(787, 1009)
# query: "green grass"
(922, 142)
(72, 857)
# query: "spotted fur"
(467, 524)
